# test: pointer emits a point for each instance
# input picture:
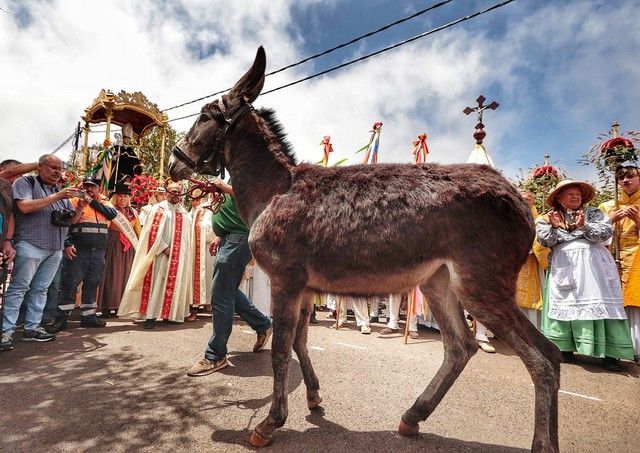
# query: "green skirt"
(597, 338)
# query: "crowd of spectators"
(580, 285)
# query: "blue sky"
(562, 71)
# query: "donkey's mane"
(269, 116)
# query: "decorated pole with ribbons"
(165, 122)
(615, 152)
(410, 310)
(420, 152)
(371, 156)
(541, 180)
(327, 148)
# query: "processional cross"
(479, 133)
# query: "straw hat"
(588, 192)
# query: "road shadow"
(62, 396)
(329, 436)
(76, 339)
(594, 365)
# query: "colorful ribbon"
(420, 149)
(102, 168)
(126, 244)
(327, 148)
(374, 142)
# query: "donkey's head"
(202, 149)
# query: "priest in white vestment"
(202, 236)
(158, 196)
(159, 285)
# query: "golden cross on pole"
(479, 133)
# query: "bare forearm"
(17, 170)
(29, 206)
(224, 187)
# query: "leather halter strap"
(215, 155)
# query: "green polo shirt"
(227, 220)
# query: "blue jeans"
(50, 310)
(87, 267)
(33, 271)
(227, 299)
(53, 296)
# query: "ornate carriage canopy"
(134, 113)
(125, 108)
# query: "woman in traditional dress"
(124, 231)
(583, 309)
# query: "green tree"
(150, 146)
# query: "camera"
(80, 193)
(62, 217)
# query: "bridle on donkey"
(213, 162)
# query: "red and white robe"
(160, 286)
(201, 236)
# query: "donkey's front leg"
(285, 303)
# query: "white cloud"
(561, 73)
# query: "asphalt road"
(124, 389)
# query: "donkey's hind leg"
(285, 301)
(497, 310)
(459, 347)
(300, 347)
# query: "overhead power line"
(327, 51)
(66, 140)
(348, 63)
(364, 57)
(386, 49)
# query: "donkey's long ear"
(250, 85)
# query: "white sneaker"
(486, 347)
(365, 329)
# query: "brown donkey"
(460, 232)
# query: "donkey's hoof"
(314, 404)
(407, 430)
(258, 440)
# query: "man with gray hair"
(40, 231)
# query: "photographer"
(84, 259)
(38, 241)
